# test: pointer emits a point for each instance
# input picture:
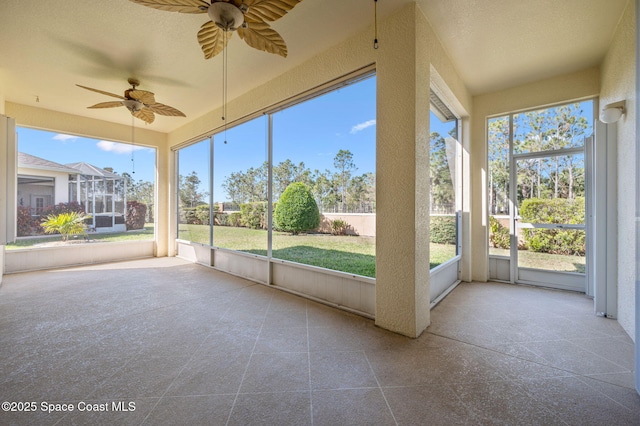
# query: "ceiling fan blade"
(261, 36)
(143, 96)
(111, 104)
(103, 92)
(145, 114)
(268, 10)
(163, 109)
(212, 40)
(182, 6)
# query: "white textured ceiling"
(496, 44)
(48, 46)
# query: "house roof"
(33, 162)
(49, 47)
(91, 170)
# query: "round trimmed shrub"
(297, 210)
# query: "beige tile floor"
(188, 346)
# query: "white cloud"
(361, 126)
(118, 148)
(62, 137)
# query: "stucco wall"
(45, 119)
(564, 88)
(618, 83)
(357, 224)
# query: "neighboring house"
(43, 183)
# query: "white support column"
(8, 178)
(8, 184)
(164, 213)
(402, 193)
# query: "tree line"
(340, 190)
(560, 176)
(441, 173)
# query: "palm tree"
(70, 223)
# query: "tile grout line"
(580, 378)
(151, 309)
(306, 314)
(386, 401)
(569, 373)
(244, 374)
(190, 359)
(502, 353)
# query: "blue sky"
(312, 132)
(66, 149)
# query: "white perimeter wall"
(357, 223)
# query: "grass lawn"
(351, 254)
(143, 234)
(549, 262)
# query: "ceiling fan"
(248, 17)
(141, 103)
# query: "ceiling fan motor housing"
(226, 16)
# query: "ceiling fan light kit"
(226, 16)
(132, 105)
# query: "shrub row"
(195, 215)
(296, 212)
(554, 241)
(28, 225)
(499, 234)
(442, 229)
(253, 215)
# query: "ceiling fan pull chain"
(225, 74)
(133, 146)
(375, 24)
(224, 68)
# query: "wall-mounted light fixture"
(612, 112)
